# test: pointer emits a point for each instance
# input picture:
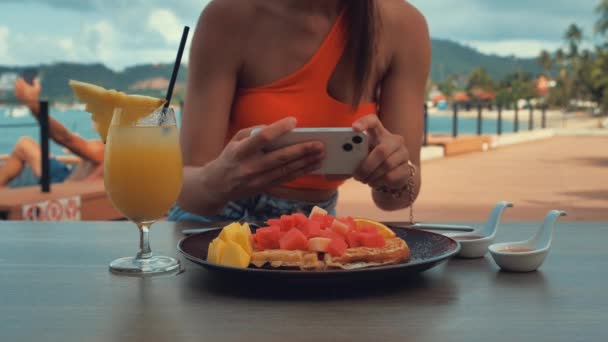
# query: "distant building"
(543, 85)
(7, 81)
(158, 83)
(7, 85)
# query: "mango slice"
(229, 232)
(216, 251)
(243, 238)
(235, 256)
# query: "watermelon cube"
(294, 240)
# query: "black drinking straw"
(178, 62)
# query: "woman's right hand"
(243, 169)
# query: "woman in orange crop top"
(304, 63)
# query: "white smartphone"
(345, 149)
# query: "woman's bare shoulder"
(399, 16)
(229, 15)
(406, 32)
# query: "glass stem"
(144, 241)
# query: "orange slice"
(383, 230)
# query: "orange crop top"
(304, 96)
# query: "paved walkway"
(567, 173)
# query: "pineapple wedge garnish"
(101, 102)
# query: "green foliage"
(448, 86)
(450, 58)
(516, 86)
(545, 61)
(601, 26)
(480, 79)
(583, 74)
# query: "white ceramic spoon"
(475, 244)
(527, 256)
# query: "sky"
(120, 33)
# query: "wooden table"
(55, 286)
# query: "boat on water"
(17, 112)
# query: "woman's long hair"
(362, 26)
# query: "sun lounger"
(67, 201)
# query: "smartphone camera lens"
(357, 140)
(347, 147)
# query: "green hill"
(55, 77)
(449, 58)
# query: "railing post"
(425, 140)
(531, 118)
(544, 116)
(499, 123)
(455, 121)
(516, 119)
(479, 118)
(45, 177)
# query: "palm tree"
(448, 86)
(559, 93)
(599, 78)
(560, 59)
(601, 26)
(585, 74)
(574, 37)
(545, 61)
(479, 78)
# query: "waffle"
(395, 251)
(303, 260)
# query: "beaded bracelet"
(406, 189)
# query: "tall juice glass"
(143, 177)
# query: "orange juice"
(143, 170)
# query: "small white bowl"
(518, 256)
(475, 244)
(527, 256)
(472, 246)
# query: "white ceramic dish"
(475, 244)
(529, 255)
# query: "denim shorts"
(258, 208)
(58, 171)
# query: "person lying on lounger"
(23, 167)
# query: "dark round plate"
(428, 250)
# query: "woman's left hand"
(386, 166)
(25, 92)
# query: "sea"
(17, 123)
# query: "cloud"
(520, 48)
(121, 33)
(513, 20)
(3, 41)
(166, 23)
(116, 33)
(20, 49)
(184, 8)
(99, 40)
(65, 4)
